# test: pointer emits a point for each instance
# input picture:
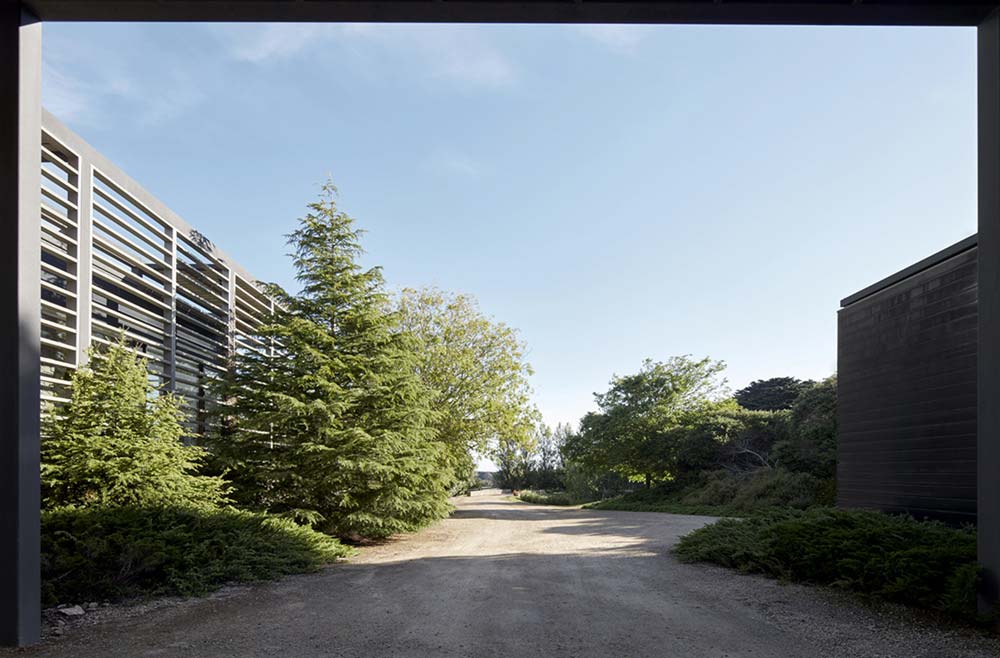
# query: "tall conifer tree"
(330, 422)
(119, 441)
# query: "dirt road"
(505, 579)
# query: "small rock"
(73, 611)
(92, 605)
(61, 606)
(106, 604)
(58, 631)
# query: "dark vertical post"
(20, 146)
(988, 430)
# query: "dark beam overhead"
(779, 12)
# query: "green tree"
(811, 444)
(513, 459)
(773, 394)
(475, 367)
(725, 435)
(546, 468)
(329, 421)
(118, 441)
(632, 433)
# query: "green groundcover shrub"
(625, 504)
(773, 487)
(728, 494)
(921, 563)
(543, 498)
(110, 553)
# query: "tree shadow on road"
(656, 531)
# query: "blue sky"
(613, 192)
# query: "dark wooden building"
(907, 349)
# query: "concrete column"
(231, 311)
(84, 258)
(20, 202)
(988, 430)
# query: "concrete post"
(20, 262)
(988, 430)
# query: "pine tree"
(331, 423)
(118, 441)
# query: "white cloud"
(273, 41)
(463, 53)
(177, 94)
(458, 53)
(62, 95)
(624, 39)
(81, 82)
(85, 78)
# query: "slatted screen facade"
(907, 390)
(116, 260)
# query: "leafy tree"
(772, 394)
(329, 421)
(513, 459)
(563, 433)
(546, 467)
(811, 444)
(724, 434)
(549, 455)
(631, 434)
(475, 367)
(118, 441)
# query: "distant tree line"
(672, 424)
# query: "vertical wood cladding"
(907, 393)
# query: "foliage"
(475, 367)
(332, 424)
(546, 471)
(756, 490)
(926, 564)
(664, 497)
(630, 434)
(583, 485)
(514, 458)
(118, 441)
(626, 504)
(811, 443)
(560, 498)
(100, 553)
(725, 493)
(723, 434)
(715, 456)
(773, 394)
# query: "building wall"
(115, 259)
(907, 391)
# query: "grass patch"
(104, 553)
(542, 498)
(921, 563)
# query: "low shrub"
(921, 563)
(747, 492)
(721, 493)
(543, 498)
(110, 553)
(627, 504)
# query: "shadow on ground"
(501, 578)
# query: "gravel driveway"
(505, 579)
